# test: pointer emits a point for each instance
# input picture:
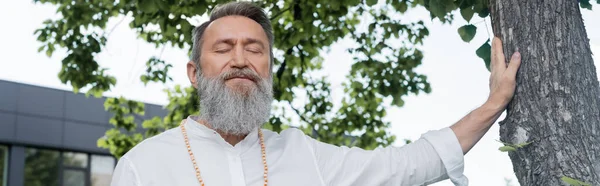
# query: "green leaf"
(481, 7)
(467, 13)
(574, 182)
(148, 6)
(521, 145)
(484, 52)
(467, 32)
(436, 7)
(484, 12)
(49, 53)
(404, 6)
(144, 79)
(101, 142)
(585, 4)
(507, 149)
(371, 2)
(398, 102)
(449, 5)
(335, 5)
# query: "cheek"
(261, 63)
(212, 65)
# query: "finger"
(498, 60)
(515, 63)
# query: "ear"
(191, 73)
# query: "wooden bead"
(189, 148)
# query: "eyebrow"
(246, 41)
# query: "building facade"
(48, 137)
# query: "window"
(73, 177)
(74, 168)
(74, 159)
(102, 169)
(53, 168)
(3, 165)
(41, 167)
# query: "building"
(48, 137)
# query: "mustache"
(240, 73)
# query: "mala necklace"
(189, 149)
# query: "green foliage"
(467, 32)
(124, 112)
(507, 149)
(485, 53)
(156, 71)
(182, 102)
(586, 4)
(385, 56)
(382, 69)
(574, 182)
(467, 13)
(72, 33)
(442, 9)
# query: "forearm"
(474, 125)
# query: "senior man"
(231, 67)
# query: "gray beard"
(235, 112)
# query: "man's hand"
(502, 88)
(503, 77)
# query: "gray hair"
(238, 110)
(245, 9)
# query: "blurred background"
(50, 135)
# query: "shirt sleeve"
(435, 156)
(125, 174)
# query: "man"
(231, 67)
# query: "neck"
(229, 138)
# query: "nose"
(239, 59)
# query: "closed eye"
(254, 51)
(222, 51)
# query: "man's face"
(235, 87)
(233, 43)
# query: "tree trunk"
(556, 104)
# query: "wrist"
(494, 106)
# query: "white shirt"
(293, 159)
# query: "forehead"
(234, 27)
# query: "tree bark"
(556, 104)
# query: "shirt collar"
(197, 129)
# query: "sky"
(457, 76)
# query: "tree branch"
(316, 134)
(283, 64)
(302, 64)
(114, 27)
(280, 12)
(298, 112)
